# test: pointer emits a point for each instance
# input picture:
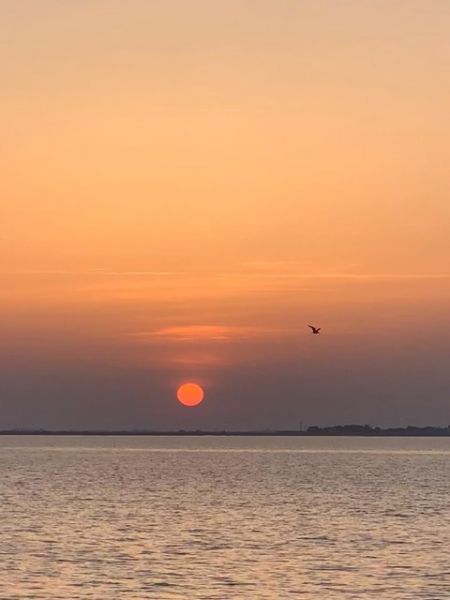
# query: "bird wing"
(312, 327)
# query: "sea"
(204, 518)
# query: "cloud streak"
(206, 333)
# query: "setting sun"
(190, 394)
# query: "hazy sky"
(186, 184)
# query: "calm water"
(228, 518)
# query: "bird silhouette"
(315, 330)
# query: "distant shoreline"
(336, 431)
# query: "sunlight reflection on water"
(229, 518)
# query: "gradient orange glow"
(190, 394)
(185, 185)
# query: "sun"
(190, 394)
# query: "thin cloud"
(206, 333)
(91, 272)
(350, 276)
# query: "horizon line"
(350, 430)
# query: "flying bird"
(315, 330)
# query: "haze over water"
(224, 518)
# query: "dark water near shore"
(224, 518)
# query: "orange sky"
(186, 184)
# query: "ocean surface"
(224, 518)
